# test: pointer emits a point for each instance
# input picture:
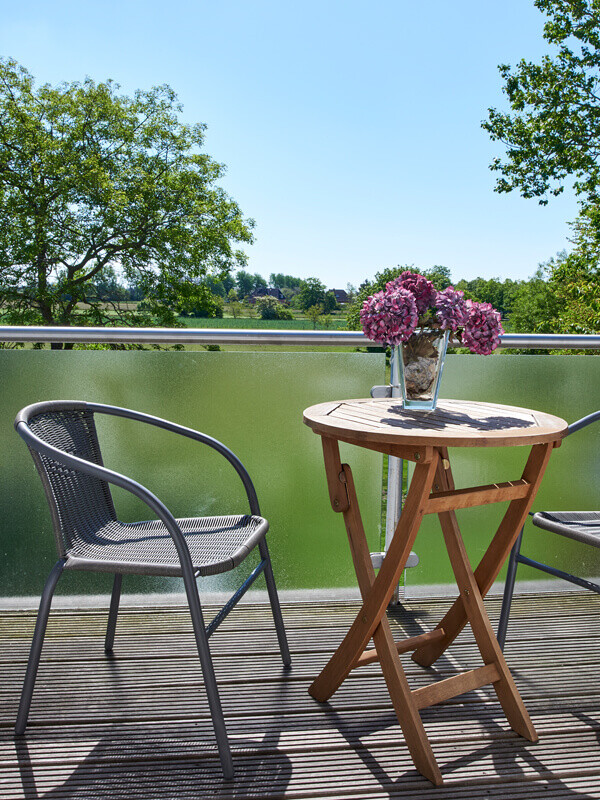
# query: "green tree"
(105, 286)
(578, 292)
(289, 294)
(562, 297)
(314, 313)
(228, 282)
(491, 290)
(91, 179)
(244, 282)
(554, 131)
(247, 283)
(536, 305)
(284, 281)
(259, 282)
(199, 301)
(312, 292)
(236, 308)
(329, 303)
(440, 276)
(270, 308)
(577, 276)
(553, 137)
(135, 288)
(215, 285)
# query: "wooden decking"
(137, 726)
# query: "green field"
(299, 323)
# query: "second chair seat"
(216, 544)
(582, 526)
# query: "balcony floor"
(137, 725)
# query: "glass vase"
(416, 369)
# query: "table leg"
(372, 620)
(476, 614)
(495, 556)
(373, 608)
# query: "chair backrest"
(80, 504)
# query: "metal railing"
(204, 336)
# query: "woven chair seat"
(583, 526)
(216, 544)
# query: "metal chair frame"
(562, 529)
(202, 632)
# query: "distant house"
(273, 291)
(341, 296)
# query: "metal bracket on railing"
(377, 559)
(381, 391)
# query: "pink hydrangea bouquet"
(411, 304)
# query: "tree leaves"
(554, 132)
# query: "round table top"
(454, 423)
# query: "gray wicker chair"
(581, 526)
(62, 439)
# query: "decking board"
(137, 725)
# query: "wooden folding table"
(424, 438)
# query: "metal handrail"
(205, 336)
(202, 336)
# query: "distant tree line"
(206, 296)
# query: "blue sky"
(351, 131)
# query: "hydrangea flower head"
(389, 317)
(451, 309)
(422, 289)
(482, 329)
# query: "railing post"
(395, 474)
(395, 481)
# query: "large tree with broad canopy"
(92, 180)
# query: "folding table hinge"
(343, 504)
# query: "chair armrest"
(583, 422)
(108, 475)
(191, 434)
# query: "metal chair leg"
(36, 646)
(112, 614)
(210, 681)
(275, 606)
(509, 588)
